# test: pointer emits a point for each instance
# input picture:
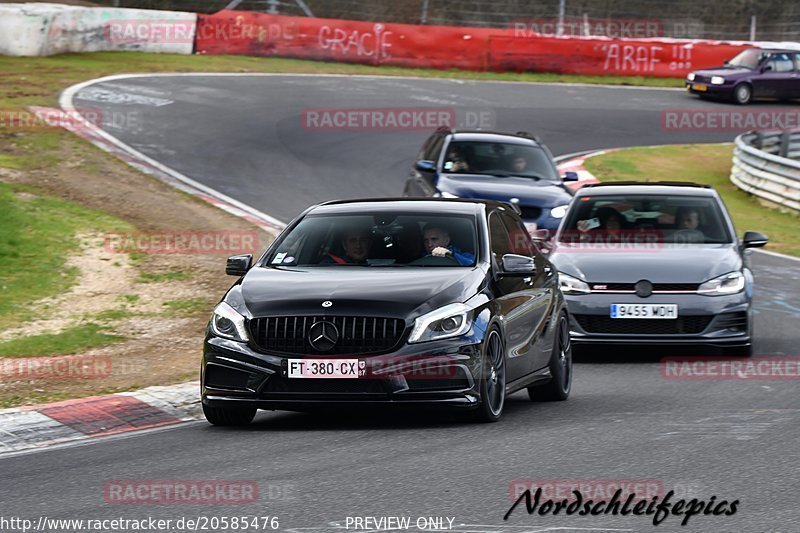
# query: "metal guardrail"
(768, 165)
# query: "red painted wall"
(445, 47)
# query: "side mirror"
(726, 62)
(425, 166)
(238, 265)
(754, 239)
(766, 68)
(514, 265)
(570, 176)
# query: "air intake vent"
(356, 335)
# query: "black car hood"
(668, 264)
(399, 292)
(530, 192)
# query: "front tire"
(742, 94)
(559, 387)
(229, 416)
(493, 381)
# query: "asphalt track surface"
(733, 439)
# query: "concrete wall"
(47, 29)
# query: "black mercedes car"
(389, 302)
(655, 263)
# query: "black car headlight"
(572, 285)
(729, 283)
(226, 322)
(449, 321)
(690, 76)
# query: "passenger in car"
(456, 162)
(519, 164)
(606, 219)
(356, 244)
(687, 226)
(437, 243)
(687, 218)
(610, 219)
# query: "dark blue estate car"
(514, 168)
(754, 73)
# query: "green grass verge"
(37, 235)
(702, 163)
(160, 277)
(72, 340)
(188, 306)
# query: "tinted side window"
(519, 238)
(426, 147)
(499, 237)
(434, 148)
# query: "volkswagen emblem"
(323, 336)
(643, 288)
(327, 303)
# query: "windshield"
(378, 239)
(499, 159)
(749, 59)
(666, 219)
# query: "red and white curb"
(576, 164)
(39, 426)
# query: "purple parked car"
(754, 73)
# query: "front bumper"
(716, 91)
(438, 373)
(716, 321)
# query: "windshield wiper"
(503, 174)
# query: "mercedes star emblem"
(323, 336)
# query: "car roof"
(779, 47)
(434, 205)
(494, 137)
(676, 188)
